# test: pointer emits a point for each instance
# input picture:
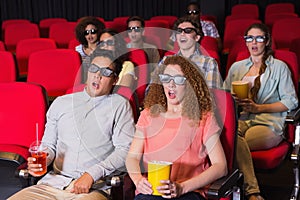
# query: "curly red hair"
(197, 95)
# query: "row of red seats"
(57, 70)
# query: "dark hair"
(121, 50)
(83, 23)
(268, 51)
(136, 18)
(195, 23)
(116, 62)
(198, 100)
(194, 3)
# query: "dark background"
(35, 10)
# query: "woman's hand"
(249, 105)
(143, 186)
(170, 189)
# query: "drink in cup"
(38, 151)
(157, 171)
(240, 88)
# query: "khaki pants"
(249, 139)
(45, 192)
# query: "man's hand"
(33, 168)
(83, 184)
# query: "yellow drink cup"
(240, 88)
(157, 171)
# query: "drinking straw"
(37, 133)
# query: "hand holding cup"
(37, 163)
(240, 89)
(158, 171)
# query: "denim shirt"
(276, 86)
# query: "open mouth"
(172, 94)
(95, 85)
(254, 48)
(183, 40)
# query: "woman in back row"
(87, 34)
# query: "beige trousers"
(45, 192)
(249, 139)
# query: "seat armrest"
(122, 185)
(224, 186)
(293, 116)
(116, 178)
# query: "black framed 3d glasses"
(166, 78)
(92, 31)
(104, 71)
(107, 42)
(135, 29)
(193, 12)
(185, 30)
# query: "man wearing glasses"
(188, 33)
(135, 30)
(209, 29)
(88, 135)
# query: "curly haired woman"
(87, 33)
(178, 126)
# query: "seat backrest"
(245, 10)
(2, 46)
(6, 22)
(23, 107)
(226, 115)
(8, 67)
(155, 40)
(73, 43)
(62, 33)
(209, 43)
(235, 29)
(235, 17)
(13, 33)
(271, 19)
(170, 18)
(238, 46)
(139, 58)
(131, 96)
(283, 38)
(55, 69)
(14, 21)
(283, 7)
(120, 24)
(159, 28)
(295, 47)
(44, 25)
(27, 46)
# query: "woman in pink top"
(178, 126)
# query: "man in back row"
(188, 33)
(136, 31)
(87, 134)
(209, 29)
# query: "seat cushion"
(270, 158)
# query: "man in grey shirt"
(88, 135)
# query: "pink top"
(175, 140)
